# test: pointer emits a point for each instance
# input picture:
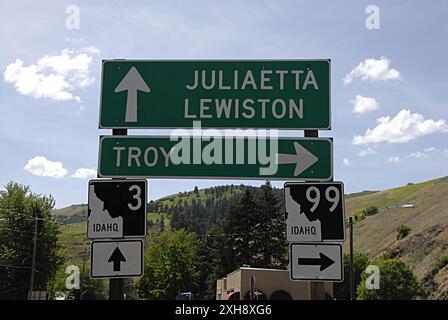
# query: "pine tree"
(254, 229)
(237, 226)
(269, 230)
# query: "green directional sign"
(216, 157)
(283, 94)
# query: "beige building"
(269, 284)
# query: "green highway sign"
(283, 94)
(231, 157)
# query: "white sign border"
(343, 206)
(104, 61)
(328, 179)
(120, 276)
(145, 204)
(316, 244)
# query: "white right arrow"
(302, 158)
(132, 82)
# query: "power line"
(11, 266)
(23, 214)
(16, 267)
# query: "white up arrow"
(303, 159)
(132, 82)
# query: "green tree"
(212, 262)
(92, 289)
(162, 224)
(18, 209)
(402, 231)
(397, 282)
(268, 233)
(370, 211)
(360, 263)
(254, 229)
(236, 225)
(171, 266)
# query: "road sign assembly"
(116, 259)
(315, 211)
(316, 261)
(117, 209)
(238, 96)
(284, 94)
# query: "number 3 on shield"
(136, 197)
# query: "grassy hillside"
(427, 241)
(74, 237)
(72, 214)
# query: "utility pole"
(352, 274)
(252, 287)
(33, 264)
(116, 286)
(81, 286)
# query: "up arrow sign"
(132, 82)
(302, 158)
(117, 257)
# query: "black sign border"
(316, 244)
(142, 268)
(145, 205)
(343, 206)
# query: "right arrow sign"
(316, 262)
(323, 261)
(219, 157)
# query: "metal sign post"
(116, 286)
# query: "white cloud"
(428, 153)
(402, 128)
(418, 155)
(444, 152)
(346, 162)
(363, 105)
(42, 167)
(394, 159)
(84, 173)
(53, 76)
(366, 152)
(93, 50)
(373, 70)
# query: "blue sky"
(49, 98)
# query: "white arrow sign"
(302, 158)
(132, 82)
(116, 259)
(316, 262)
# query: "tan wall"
(233, 281)
(220, 289)
(268, 281)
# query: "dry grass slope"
(428, 240)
